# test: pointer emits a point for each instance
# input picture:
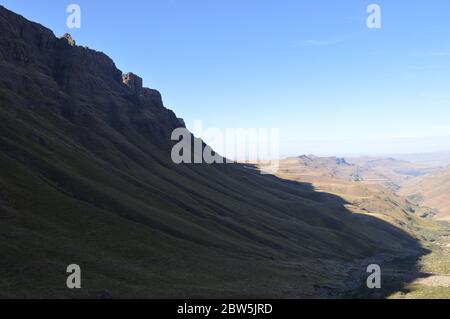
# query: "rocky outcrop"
(134, 82)
(69, 39)
(342, 161)
(182, 122)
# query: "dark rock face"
(342, 161)
(182, 123)
(84, 80)
(69, 39)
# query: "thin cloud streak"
(321, 43)
(437, 53)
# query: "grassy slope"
(86, 178)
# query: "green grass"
(422, 292)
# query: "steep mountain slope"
(86, 177)
(432, 190)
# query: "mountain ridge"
(87, 178)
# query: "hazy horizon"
(357, 155)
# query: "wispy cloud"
(428, 67)
(435, 53)
(323, 42)
(434, 95)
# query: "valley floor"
(411, 277)
(414, 274)
(434, 277)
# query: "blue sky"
(311, 68)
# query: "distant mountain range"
(419, 183)
(371, 184)
(432, 190)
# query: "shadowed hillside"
(86, 178)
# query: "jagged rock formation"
(86, 177)
(69, 39)
(182, 123)
(133, 81)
